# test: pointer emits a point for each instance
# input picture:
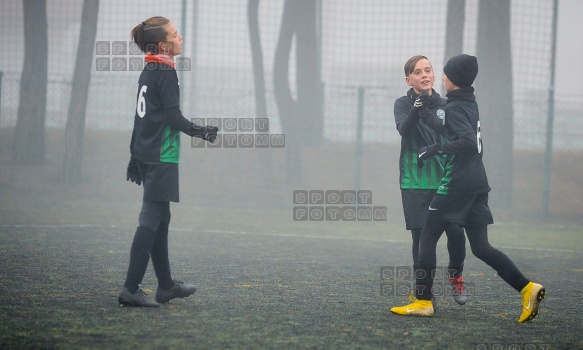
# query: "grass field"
(264, 280)
(274, 288)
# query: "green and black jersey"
(464, 169)
(411, 176)
(153, 138)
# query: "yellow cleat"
(532, 295)
(417, 308)
(411, 296)
(412, 299)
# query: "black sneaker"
(135, 299)
(178, 290)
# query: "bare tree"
(75, 129)
(302, 119)
(454, 39)
(257, 57)
(282, 92)
(494, 92)
(310, 99)
(28, 145)
(259, 78)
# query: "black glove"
(133, 173)
(427, 152)
(422, 100)
(207, 133)
(210, 133)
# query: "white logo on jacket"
(441, 115)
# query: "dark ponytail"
(148, 34)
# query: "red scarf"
(160, 59)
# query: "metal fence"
(363, 44)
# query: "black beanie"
(461, 70)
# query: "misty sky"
(569, 45)
(569, 78)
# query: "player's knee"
(149, 221)
(151, 216)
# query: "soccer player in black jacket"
(419, 184)
(155, 151)
(463, 196)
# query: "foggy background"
(362, 46)
(325, 74)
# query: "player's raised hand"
(132, 173)
(422, 100)
(427, 152)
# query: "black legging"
(456, 247)
(150, 239)
(481, 248)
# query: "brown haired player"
(415, 113)
(155, 151)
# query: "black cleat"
(179, 290)
(135, 299)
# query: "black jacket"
(465, 172)
(412, 124)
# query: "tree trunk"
(257, 56)
(494, 93)
(454, 38)
(75, 129)
(28, 146)
(282, 92)
(302, 120)
(310, 118)
(259, 79)
(1, 75)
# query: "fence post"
(550, 119)
(358, 146)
